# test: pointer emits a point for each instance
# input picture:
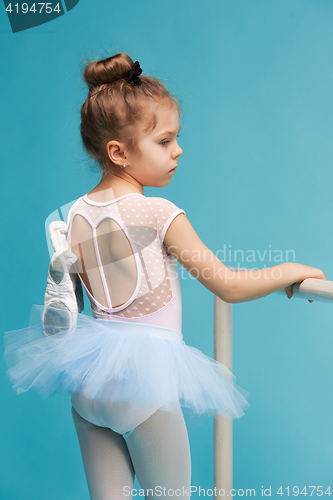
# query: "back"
(122, 262)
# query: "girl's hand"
(313, 273)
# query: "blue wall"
(255, 79)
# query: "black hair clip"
(133, 74)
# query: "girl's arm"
(185, 245)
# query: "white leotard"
(125, 268)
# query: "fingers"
(289, 292)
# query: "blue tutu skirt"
(141, 364)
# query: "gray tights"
(157, 451)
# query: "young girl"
(128, 369)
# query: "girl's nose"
(178, 151)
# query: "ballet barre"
(309, 289)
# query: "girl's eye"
(166, 141)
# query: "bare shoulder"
(179, 231)
(185, 245)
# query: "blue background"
(255, 80)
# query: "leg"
(160, 453)
(106, 460)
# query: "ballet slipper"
(63, 298)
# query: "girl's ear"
(116, 152)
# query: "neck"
(114, 186)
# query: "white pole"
(223, 426)
(313, 289)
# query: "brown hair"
(116, 109)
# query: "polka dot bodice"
(133, 226)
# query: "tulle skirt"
(113, 360)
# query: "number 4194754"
(305, 491)
(24, 8)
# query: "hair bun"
(97, 73)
